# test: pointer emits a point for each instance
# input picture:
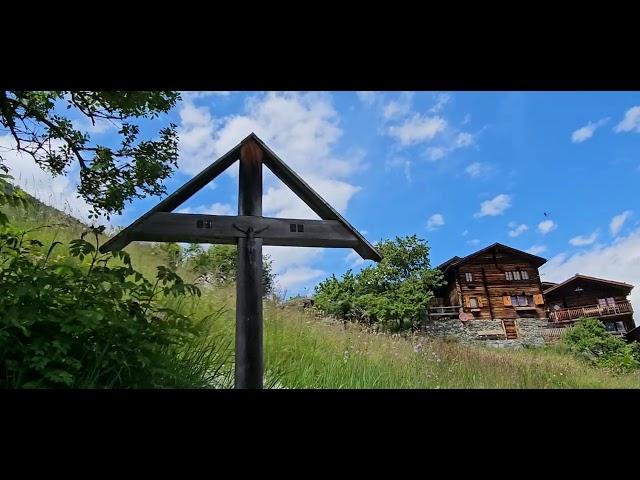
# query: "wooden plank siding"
(587, 295)
(492, 267)
(490, 285)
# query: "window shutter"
(479, 302)
(466, 302)
(538, 299)
(506, 300)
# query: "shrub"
(589, 339)
(87, 324)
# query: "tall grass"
(302, 351)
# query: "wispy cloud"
(368, 98)
(213, 209)
(585, 133)
(397, 108)
(496, 206)
(630, 122)
(618, 221)
(435, 221)
(441, 100)
(478, 169)
(517, 230)
(537, 249)
(547, 226)
(417, 129)
(581, 241)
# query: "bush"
(590, 340)
(394, 294)
(87, 324)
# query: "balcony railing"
(599, 311)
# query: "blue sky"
(460, 169)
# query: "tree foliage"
(110, 176)
(394, 293)
(215, 265)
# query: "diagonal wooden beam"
(177, 198)
(309, 196)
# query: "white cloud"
(547, 226)
(464, 139)
(496, 206)
(618, 221)
(581, 241)
(195, 95)
(299, 277)
(399, 162)
(475, 169)
(461, 140)
(213, 209)
(417, 129)
(435, 221)
(630, 122)
(537, 249)
(441, 100)
(303, 129)
(101, 125)
(467, 119)
(586, 132)
(436, 153)
(354, 259)
(618, 261)
(368, 98)
(517, 230)
(475, 241)
(465, 233)
(196, 144)
(397, 108)
(56, 191)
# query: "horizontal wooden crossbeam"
(224, 229)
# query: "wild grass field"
(306, 351)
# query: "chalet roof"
(457, 261)
(577, 276)
(280, 169)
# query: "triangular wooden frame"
(279, 168)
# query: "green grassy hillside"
(303, 351)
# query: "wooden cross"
(249, 230)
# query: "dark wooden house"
(583, 296)
(497, 282)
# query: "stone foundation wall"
(529, 331)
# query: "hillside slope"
(303, 351)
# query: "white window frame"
(524, 274)
(468, 277)
(508, 275)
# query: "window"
(610, 326)
(473, 302)
(620, 326)
(522, 300)
(469, 277)
(607, 302)
(516, 275)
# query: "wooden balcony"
(597, 311)
(438, 312)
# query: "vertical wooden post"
(249, 366)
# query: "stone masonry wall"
(529, 331)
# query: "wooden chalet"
(497, 282)
(583, 296)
